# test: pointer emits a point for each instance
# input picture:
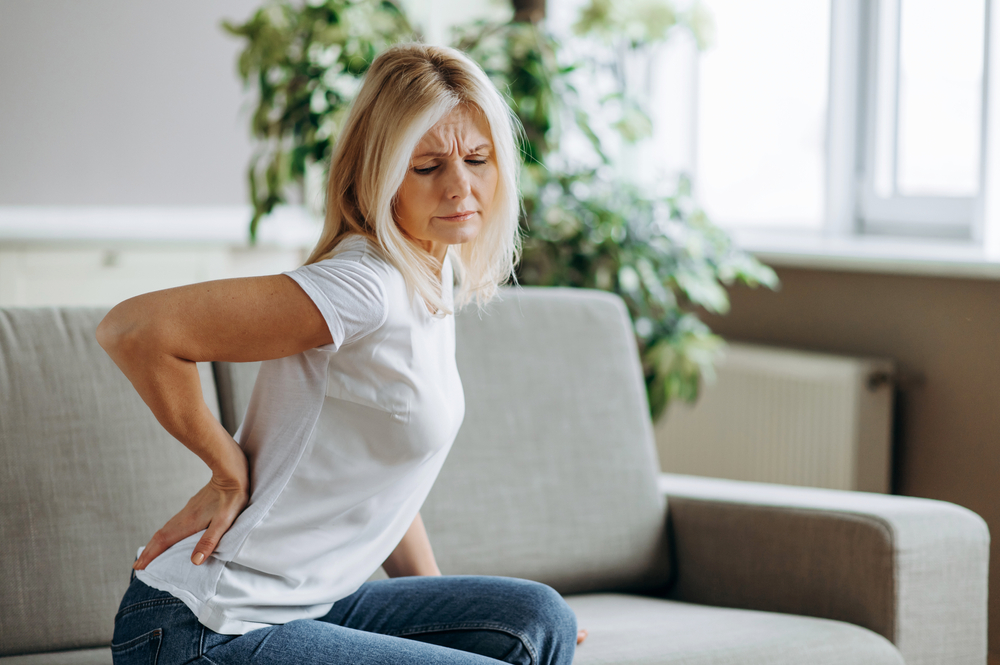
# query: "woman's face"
(450, 185)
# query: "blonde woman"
(356, 405)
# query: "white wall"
(107, 102)
(112, 103)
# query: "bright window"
(824, 117)
(846, 116)
(761, 113)
(923, 130)
(940, 97)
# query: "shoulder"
(352, 288)
(362, 253)
(354, 254)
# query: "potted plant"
(583, 226)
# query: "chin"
(458, 236)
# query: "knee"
(548, 622)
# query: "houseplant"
(306, 63)
(583, 227)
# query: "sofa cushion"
(87, 475)
(634, 630)
(552, 476)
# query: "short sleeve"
(349, 294)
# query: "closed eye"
(425, 170)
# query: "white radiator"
(791, 417)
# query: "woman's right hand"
(214, 508)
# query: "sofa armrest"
(912, 570)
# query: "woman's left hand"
(581, 635)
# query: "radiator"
(790, 417)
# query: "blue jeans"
(446, 620)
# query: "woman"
(356, 405)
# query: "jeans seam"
(146, 603)
(159, 645)
(470, 625)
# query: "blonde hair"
(407, 90)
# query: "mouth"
(458, 216)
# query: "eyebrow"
(444, 154)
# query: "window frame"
(855, 127)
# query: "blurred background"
(851, 145)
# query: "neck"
(437, 250)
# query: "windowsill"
(292, 227)
(61, 226)
(878, 254)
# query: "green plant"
(661, 255)
(586, 228)
(306, 63)
(583, 227)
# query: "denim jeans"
(446, 620)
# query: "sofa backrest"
(553, 474)
(86, 476)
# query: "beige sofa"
(552, 477)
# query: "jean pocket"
(142, 650)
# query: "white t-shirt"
(344, 442)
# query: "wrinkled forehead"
(464, 128)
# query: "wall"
(121, 103)
(136, 103)
(944, 334)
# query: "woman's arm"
(156, 339)
(413, 556)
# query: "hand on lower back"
(213, 509)
(581, 635)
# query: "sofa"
(553, 477)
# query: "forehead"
(464, 127)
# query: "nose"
(457, 185)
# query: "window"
(924, 116)
(846, 116)
(761, 113)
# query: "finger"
(581, 635)
(142, 559)
(210, 540)
(155, 547)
